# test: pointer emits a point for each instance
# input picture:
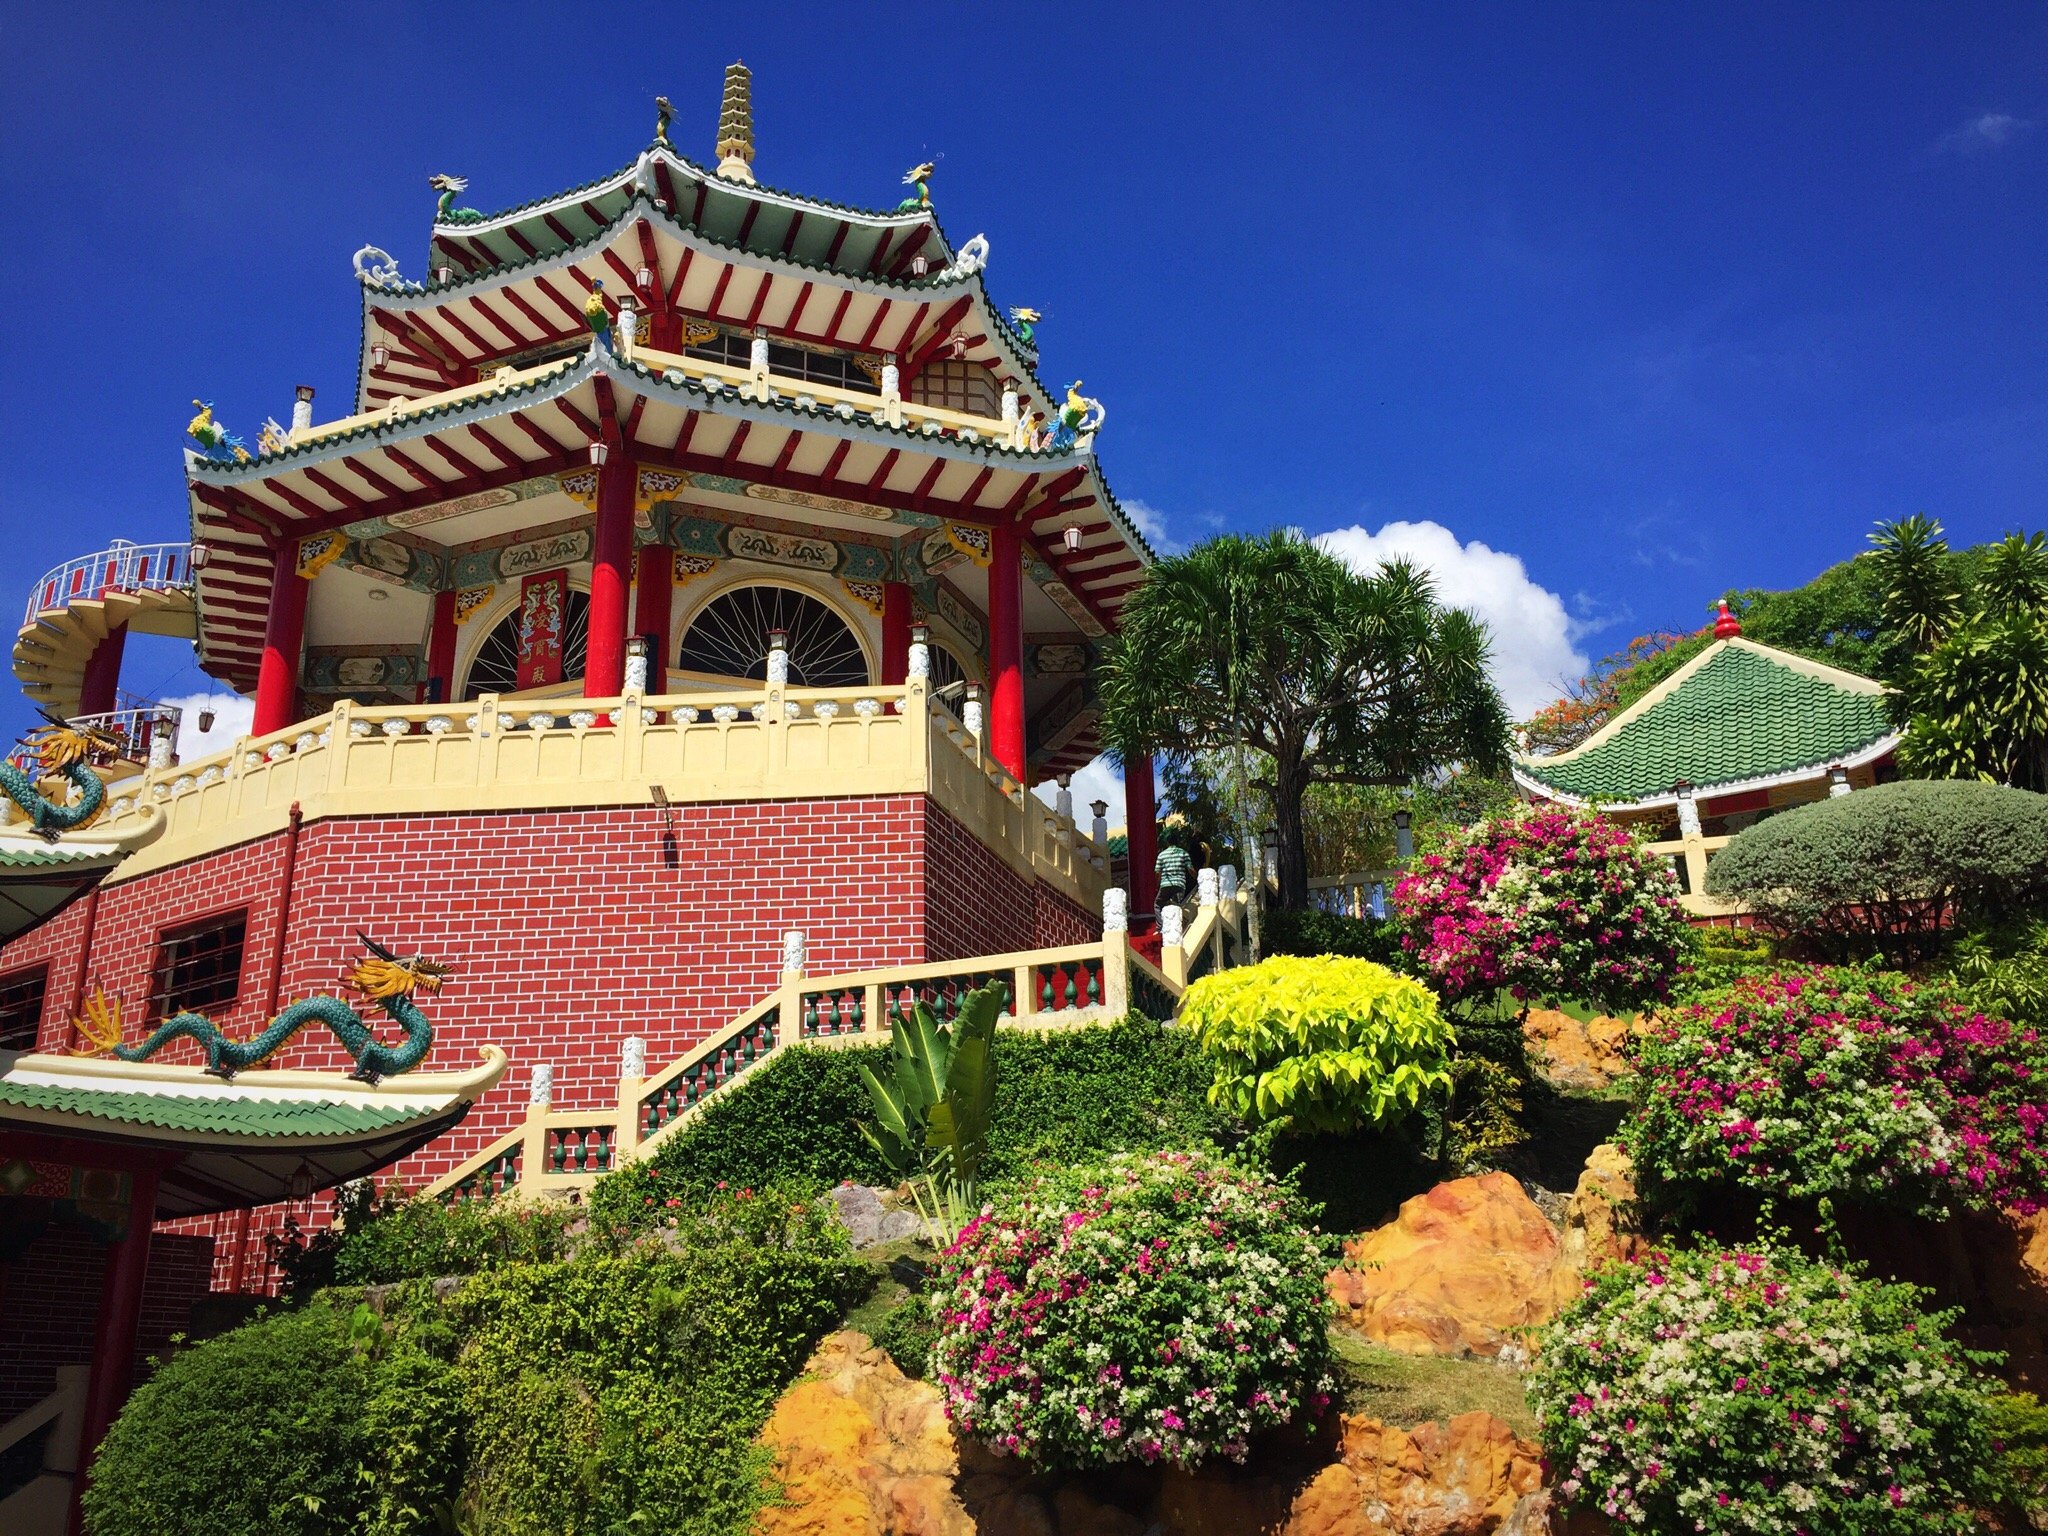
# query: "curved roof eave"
(1861, 757)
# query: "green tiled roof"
(1743, 713)
(227, 1115)
(20, 854)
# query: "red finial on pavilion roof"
(1726, 625)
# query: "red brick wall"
(1058, 921)
(567, 931)
(49, 1303)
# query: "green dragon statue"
(386, 979)
(445, 211)
(61, 747)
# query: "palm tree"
(1974, 701)
(1273, 649)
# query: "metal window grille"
(21, 1007)
(198, 966)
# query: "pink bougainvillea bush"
(1164, 1307)
(1845, 1083)
(1756, 1391)
(1545, 902)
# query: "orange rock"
(1575, 1055)
(1457, 1272)
(1464, 1478)
(861, 1450)
(1601, 1224)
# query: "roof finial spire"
(1726, 625)
(736, 125)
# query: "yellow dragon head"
(381, 974)
(61, 743)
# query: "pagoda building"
(700, 564)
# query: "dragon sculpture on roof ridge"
(386, 979)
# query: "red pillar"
(611, 563)
(1141, 830)
(277, 680)
(651, 604)
(440, 651)
(103, 674)
(895, 633)
(1006, 649)
(113, 1345)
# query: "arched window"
(496, 667)
(729, 638)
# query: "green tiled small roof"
(1741, 712)
(19, 853)
(227, 1115)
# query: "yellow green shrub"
(1321, 1044)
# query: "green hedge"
(1285, 931)
(1060, 1097)
(616, 1390)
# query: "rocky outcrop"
(868, 1218)
(1461, 1270)
(1601, 1222)
(1571, 1054)
(861, 1450)
(1464, 1478)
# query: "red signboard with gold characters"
(543, 610)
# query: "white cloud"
(232, 715)
(1988, 131)
(1533, 633)
(1097, 781)
(1151, 522)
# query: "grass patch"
(897, 1265)
(1409, 1389)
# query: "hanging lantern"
(599, 452)
(205, 720)
(379, 356)
(1072, 538)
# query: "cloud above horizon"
(1534, 635)
(1984, 133)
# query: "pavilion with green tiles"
(1738, 733)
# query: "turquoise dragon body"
(64, 749)
(385, 978)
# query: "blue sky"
(1645, 300)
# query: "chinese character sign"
(543, 607)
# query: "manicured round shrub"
(1547, 902)
(1150, 1308)
(1887, 870)
(1841, 1083)
(1756, 1391)
(1319, 1044)
(255, 1433)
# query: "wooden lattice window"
(21, 1007)
(198, 966)
(956, 385)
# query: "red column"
(1006, 649)
(651, 603)
(895, 633)
(611, 561)
(440, 650)
(96, 696)
(277, 680)
(113, 1345)
(1141, 830)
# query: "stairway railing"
(557, 1152)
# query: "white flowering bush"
(1757, 1391)
(1165, 1307)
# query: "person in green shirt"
(1175, 868)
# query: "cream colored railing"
(504, 755)
(1688, 857)
(1362, 894)
(562, 1152)
(41, 1506)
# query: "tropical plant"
(1545, 902)
(1843, 1084)
(932, 1113)
(1890, 870)
(1273, 650)
(1755, 1392)
(2004, 972)
(1975, 699)
(1319, 1044)
(1151, 1308)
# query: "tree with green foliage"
(1319, 1044)
(932, 1112)
(1275, 651)
(1974, 699)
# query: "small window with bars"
(198, 966)
(21, 1007)
(957, 386)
